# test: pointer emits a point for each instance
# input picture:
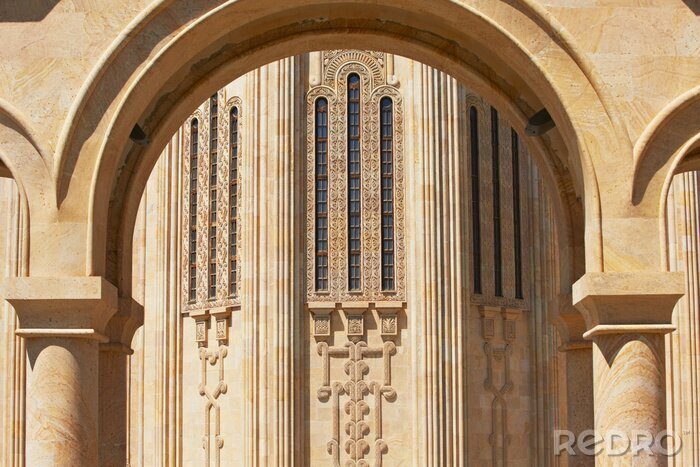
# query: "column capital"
(78, 307)
(628, 302)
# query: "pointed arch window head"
(354, 184)
(321, 192)
(233, 201)
(386, 110)
(194, 152)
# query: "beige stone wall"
(436, 145)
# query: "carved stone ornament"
(356, 439)
(321, 315)
(370, 66)
(223, 297)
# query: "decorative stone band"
(602, 329)
(387, 312)
(116, 347)
(489, 316)
(89, 334)
(628, 302)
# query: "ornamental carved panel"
(223, 296)
(370, 67)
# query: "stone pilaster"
(439, 277)
(627, 315)
(113, 383)
(681, 345)
(62, 321)
(12, 351)
(272, 259)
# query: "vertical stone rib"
(270, 306)
(13, 358)
(441, 313)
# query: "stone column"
(438, 278)
(272, 285)
(62, 321)
(627, 315)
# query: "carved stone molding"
(356, 442)
(498, 351)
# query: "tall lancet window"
(233, 203)
(321, 135)
(354, 192)
(517, 245)
(496, 183)
(387, 172)
(476, 213)
(213, 180)
(194, 150)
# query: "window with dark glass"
(354, 192)
(233, 202)
(476, 214)
(321, 173)
(387, 194)
(194, 150)
(213, 180)
(496, 183)
(517, 249)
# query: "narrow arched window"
(213, 179)
(517, 245)
(321, 174)
(496, 183)
(233, 212)
(354, 192)
(194, 150)
(387, 191)
(476, 213)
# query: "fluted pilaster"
(13, 353)
(271, 308)
(438, 266)
(682, 352)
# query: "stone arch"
(28, 160)
(667, 146)
(129, 87)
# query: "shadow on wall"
(14, 11)
(694, 5)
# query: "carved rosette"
(370, 66)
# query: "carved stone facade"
(444, 369)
